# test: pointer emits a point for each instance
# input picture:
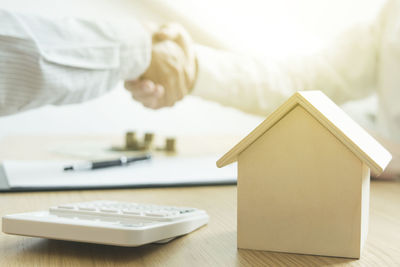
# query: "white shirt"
(62, 61)
(363, 60)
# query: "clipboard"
(17, 176)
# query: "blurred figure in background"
(362, 60)
(61, 61)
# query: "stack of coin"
(148, 140)
(131, 141)
(170, 145)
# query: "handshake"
(172, 71)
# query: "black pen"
(105, 164)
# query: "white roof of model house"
(333, 118)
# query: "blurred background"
(273, 28)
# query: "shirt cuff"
(135, 50)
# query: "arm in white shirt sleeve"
(344, 71)
(61, 61)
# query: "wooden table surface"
(212, 245)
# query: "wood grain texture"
(212, 245)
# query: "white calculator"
(107, 222)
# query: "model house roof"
(333, 118)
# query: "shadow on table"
(245, 257)
(226, 253)
(219, 248)
(86, 252)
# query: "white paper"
(157, 171)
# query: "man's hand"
(172, 71)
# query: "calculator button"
(132, 212)
(109, 210)
(156, 214)
(66, 207)
(186, 211)
(87, 208)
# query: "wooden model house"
(303, 179)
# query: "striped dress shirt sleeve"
(66, 60)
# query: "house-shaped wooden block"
(303, 180)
